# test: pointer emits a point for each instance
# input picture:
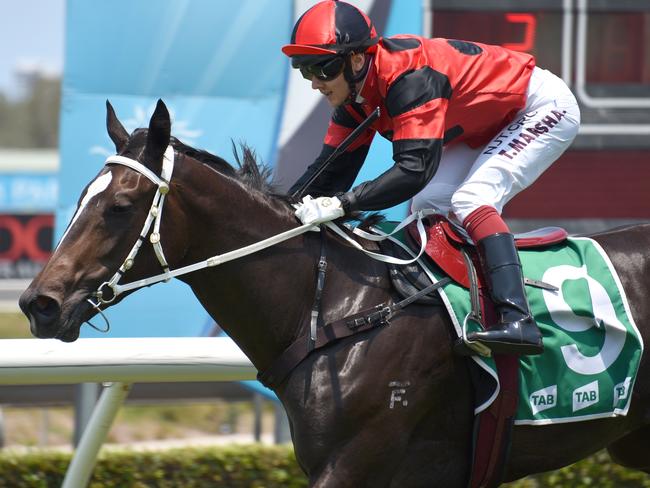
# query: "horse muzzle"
(44, 312)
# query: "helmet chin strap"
(352, 78)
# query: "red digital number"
(530, 30)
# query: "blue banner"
(28, 192)
(217, 66)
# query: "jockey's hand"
(318, 210)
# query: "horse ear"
(116, 130)
(157, 137)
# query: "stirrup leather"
(475, 313)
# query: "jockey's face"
(337, 90)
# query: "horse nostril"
(44, 308)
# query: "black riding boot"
(516, 332)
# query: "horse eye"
(120, 208)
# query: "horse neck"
(257, 299)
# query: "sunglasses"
(326, 71)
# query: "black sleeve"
(339, 175)
(416, 161)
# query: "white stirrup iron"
(155, 216)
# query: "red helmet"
(329, 28)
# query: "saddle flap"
(443, 247)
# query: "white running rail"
(117, 363)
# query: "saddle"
(445, 245)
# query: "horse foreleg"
(421, 465)
(432, 452)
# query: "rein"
(154, 217)
(109, 290)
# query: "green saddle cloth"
(592, 347)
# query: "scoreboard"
(617, 37)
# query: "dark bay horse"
(346, 429)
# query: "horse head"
(107, 222)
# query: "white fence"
(117, 363)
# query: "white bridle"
(155, 217)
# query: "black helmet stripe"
(351, 26)
(295, 28)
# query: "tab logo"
(543, 399)
(585, 396)
(621, 390)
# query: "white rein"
(155, 216)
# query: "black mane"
(253, 174)
(256, 175)
(250, 172)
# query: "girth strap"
(365, 320)
(299, 349)
(320, 284)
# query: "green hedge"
(250, 467)
(228, 467)
(596, 471)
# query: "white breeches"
(492, 175)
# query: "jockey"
(471, 124)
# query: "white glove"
(318, 210)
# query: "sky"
(31, 34)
